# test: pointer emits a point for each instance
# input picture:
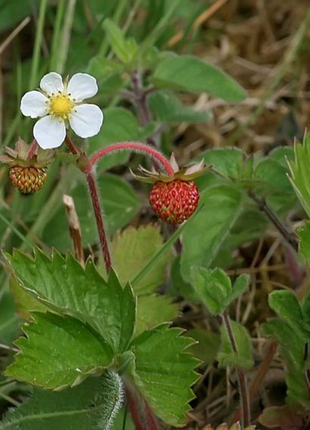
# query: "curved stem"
(136, 147)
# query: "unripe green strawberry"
(27, 169)
(27, 179)
(174, 201)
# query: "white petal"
(33, 104)
(87, 120)
(51, 83)
(82, 86)
(49, 132)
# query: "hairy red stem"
(133, 146)
(91, 182)
(142, 414)
(99, 219)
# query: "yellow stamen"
(60, 106)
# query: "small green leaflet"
(90, 406)
(164, 372)
(65, 286)
(58, 352)
(226, 355)
(189, 73)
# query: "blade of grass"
(157, 30)
(56, 35)
(15, 230)
(37, 45)
(172, 239)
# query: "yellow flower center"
(60, 106)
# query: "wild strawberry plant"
(98, 314)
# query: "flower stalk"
(135, 147)
(99, 219)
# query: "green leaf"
(125, 49)
(286, 305)
(206, 233)
(274, 175)
(292, 349)
(93, 403)
(8, 317)
(119, 125)
(132, 249)
(58, 352)
(214, 288)
(227, 356)
(153, 310)
(168, 108)
(64, 285)
(188, 73)
(164, 248)
(227, 161)
(207, 345)
(164, 372)
(102, 69)
(300, 172)
(240, 286)
(179, 287)
(119, 202)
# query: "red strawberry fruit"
(173, 198)
(174, 201)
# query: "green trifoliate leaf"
(58, 352)
(164, 372)
(227, 356)
(132, 249)
(215, 288)
(92, 405)
(64, 285)
(300, 172)
(167, 107)
(152, 310)
(286, 305)
(189, 73)
(208, 231)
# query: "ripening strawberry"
(173, 198)
(27, 179)
(174, 201)
(27, 175)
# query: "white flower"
(58, 104)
